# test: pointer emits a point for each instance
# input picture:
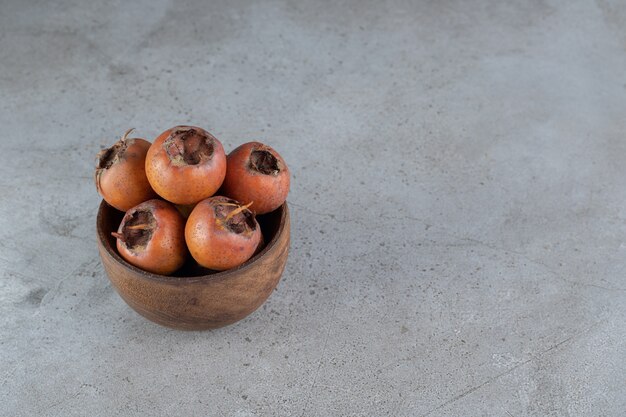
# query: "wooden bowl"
(195, 298)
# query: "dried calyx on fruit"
(137, 230)
(120, 174)
(264, 162)
(234, 217)
(107, 157)
(189, 146)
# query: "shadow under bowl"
(195, 298)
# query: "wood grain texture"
(197, 302)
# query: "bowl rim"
(221, 275)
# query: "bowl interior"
(109, 219)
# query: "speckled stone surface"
(458, 205)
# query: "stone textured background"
(458, 202)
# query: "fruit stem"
(237, 211)
(118, 236)
(127, 133)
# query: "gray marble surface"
(458, 201)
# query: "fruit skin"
(124, 183)
(179, 182)
(212, 244)
(245, 184)
(166, 251)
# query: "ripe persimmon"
(256, 172)
(221, 233)
(151, 236)
(120, 174)
(186, 164)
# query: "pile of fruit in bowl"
(185, 205)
